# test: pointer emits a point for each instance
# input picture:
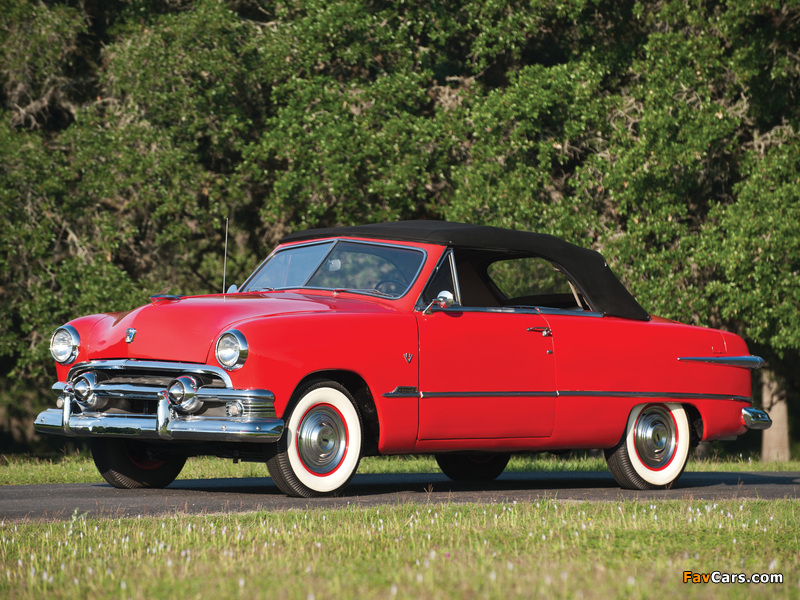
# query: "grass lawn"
(544, 549)
(77, 468)
(549, 548)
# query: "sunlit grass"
(542, 549)
(79, 468)
(626, 550)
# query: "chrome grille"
(137, 386)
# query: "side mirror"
(445, 299)
(232, 289)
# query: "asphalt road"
(209, 496)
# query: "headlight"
(64, 344)
(231, 349)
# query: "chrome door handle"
(546, 331)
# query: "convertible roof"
(587, 268)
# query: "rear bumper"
(164, 425)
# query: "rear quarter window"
(532, 281)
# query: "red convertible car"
(467, 342)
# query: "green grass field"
(78, 468)
(549, 548)
(545, 549)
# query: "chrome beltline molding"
(747, 362)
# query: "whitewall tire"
(320, 449)
(654, 448)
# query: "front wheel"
(654, 448)
(129, 464)
(472, 466)
(320, 448)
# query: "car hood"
(185, 329)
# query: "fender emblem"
(408, 356)
(130, 333)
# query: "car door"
(485, 372)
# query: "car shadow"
(429, 483)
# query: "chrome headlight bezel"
(68, 341)
(231, 350)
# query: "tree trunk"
(775, 440)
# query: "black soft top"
(587, 268)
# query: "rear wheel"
(130, 464)
(472, 466)
(654, 449)
(320, 448)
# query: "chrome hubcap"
(322, 440)
(655, 437)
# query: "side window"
(533, 281)
(441, 281)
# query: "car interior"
(497, 279)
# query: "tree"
(663, 134)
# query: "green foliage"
(353, 154)
(523, 143)
(756, 250)
(40, 60)
(196, 77)
(663, 134)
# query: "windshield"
(376, 269)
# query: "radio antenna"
(225, 260)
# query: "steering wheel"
(396, 282)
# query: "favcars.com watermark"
(720, 577)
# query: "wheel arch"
(695, 424)
(359, 390)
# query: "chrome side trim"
(164, 426)
(403, 391)
(747, 362)
(754, 418)
(657, 395)
(487, 394)
(589, 393)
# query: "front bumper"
(163, 426)
(160, 419)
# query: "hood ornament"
(408, 356)
(130, 333)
